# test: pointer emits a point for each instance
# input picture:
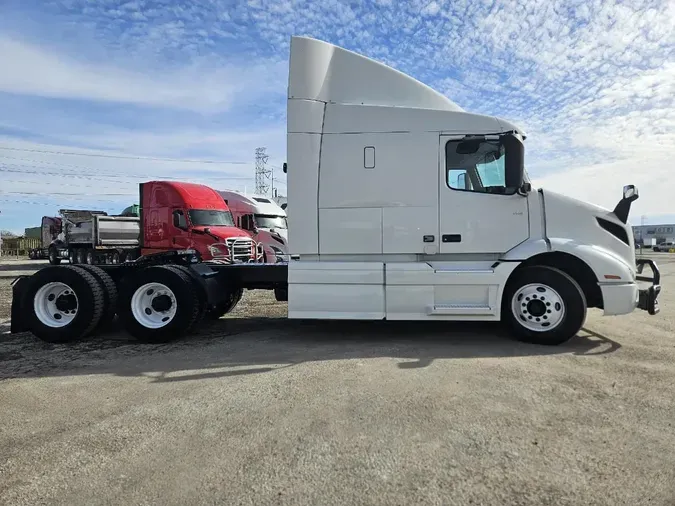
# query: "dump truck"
(405, 207)
(49, 231)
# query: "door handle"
(452, 238)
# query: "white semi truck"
(405, 207)
(263, 219)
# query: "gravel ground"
(256, 409)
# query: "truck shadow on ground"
(240, 346)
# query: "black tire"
(569, 313)
(54, 256)
(224, 307)
(201, 292)
(90, 302)
(281, 294)
(185, 293)
(109, 294)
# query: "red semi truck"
(174, 216)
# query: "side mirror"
(515, 161)
(285, 168)
(630, 192)
(247, 223)
(179, 220)
(622, 209)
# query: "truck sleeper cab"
(405, 207)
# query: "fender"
(602, 261)
(525, 250)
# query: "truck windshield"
(211, 218)
(270, 221)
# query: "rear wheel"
(63, 303)
(81, 256)
(90, 258)
(158, 304)
(115, 258)
(109, 293)
(543, 305)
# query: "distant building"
(646, 233)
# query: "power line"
(3, 168)
(61, 183)
(51, 204)
(123, 157)
(70, 194)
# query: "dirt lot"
(256, 409)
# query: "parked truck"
(49, 231)
(176, 216)
(264, 219)
(405, 207)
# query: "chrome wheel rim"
(538, 307)
(55, 305)
(154, 305)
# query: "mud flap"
(19, 322)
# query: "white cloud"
(34, 70)
(592, 82)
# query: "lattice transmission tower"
(263, 175)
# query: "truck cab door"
(181, 235)
(477, 213)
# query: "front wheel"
(543, 305)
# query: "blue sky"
(592, 82)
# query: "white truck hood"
(573, 221)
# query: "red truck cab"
(192, 216)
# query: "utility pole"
(643, 219)
(262, 174)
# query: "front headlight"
(281, 256)
(219, 250)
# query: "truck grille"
(240, 248)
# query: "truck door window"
(478, 167)
(179, 220)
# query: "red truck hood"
(225, 232)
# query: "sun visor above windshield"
(327, 73)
